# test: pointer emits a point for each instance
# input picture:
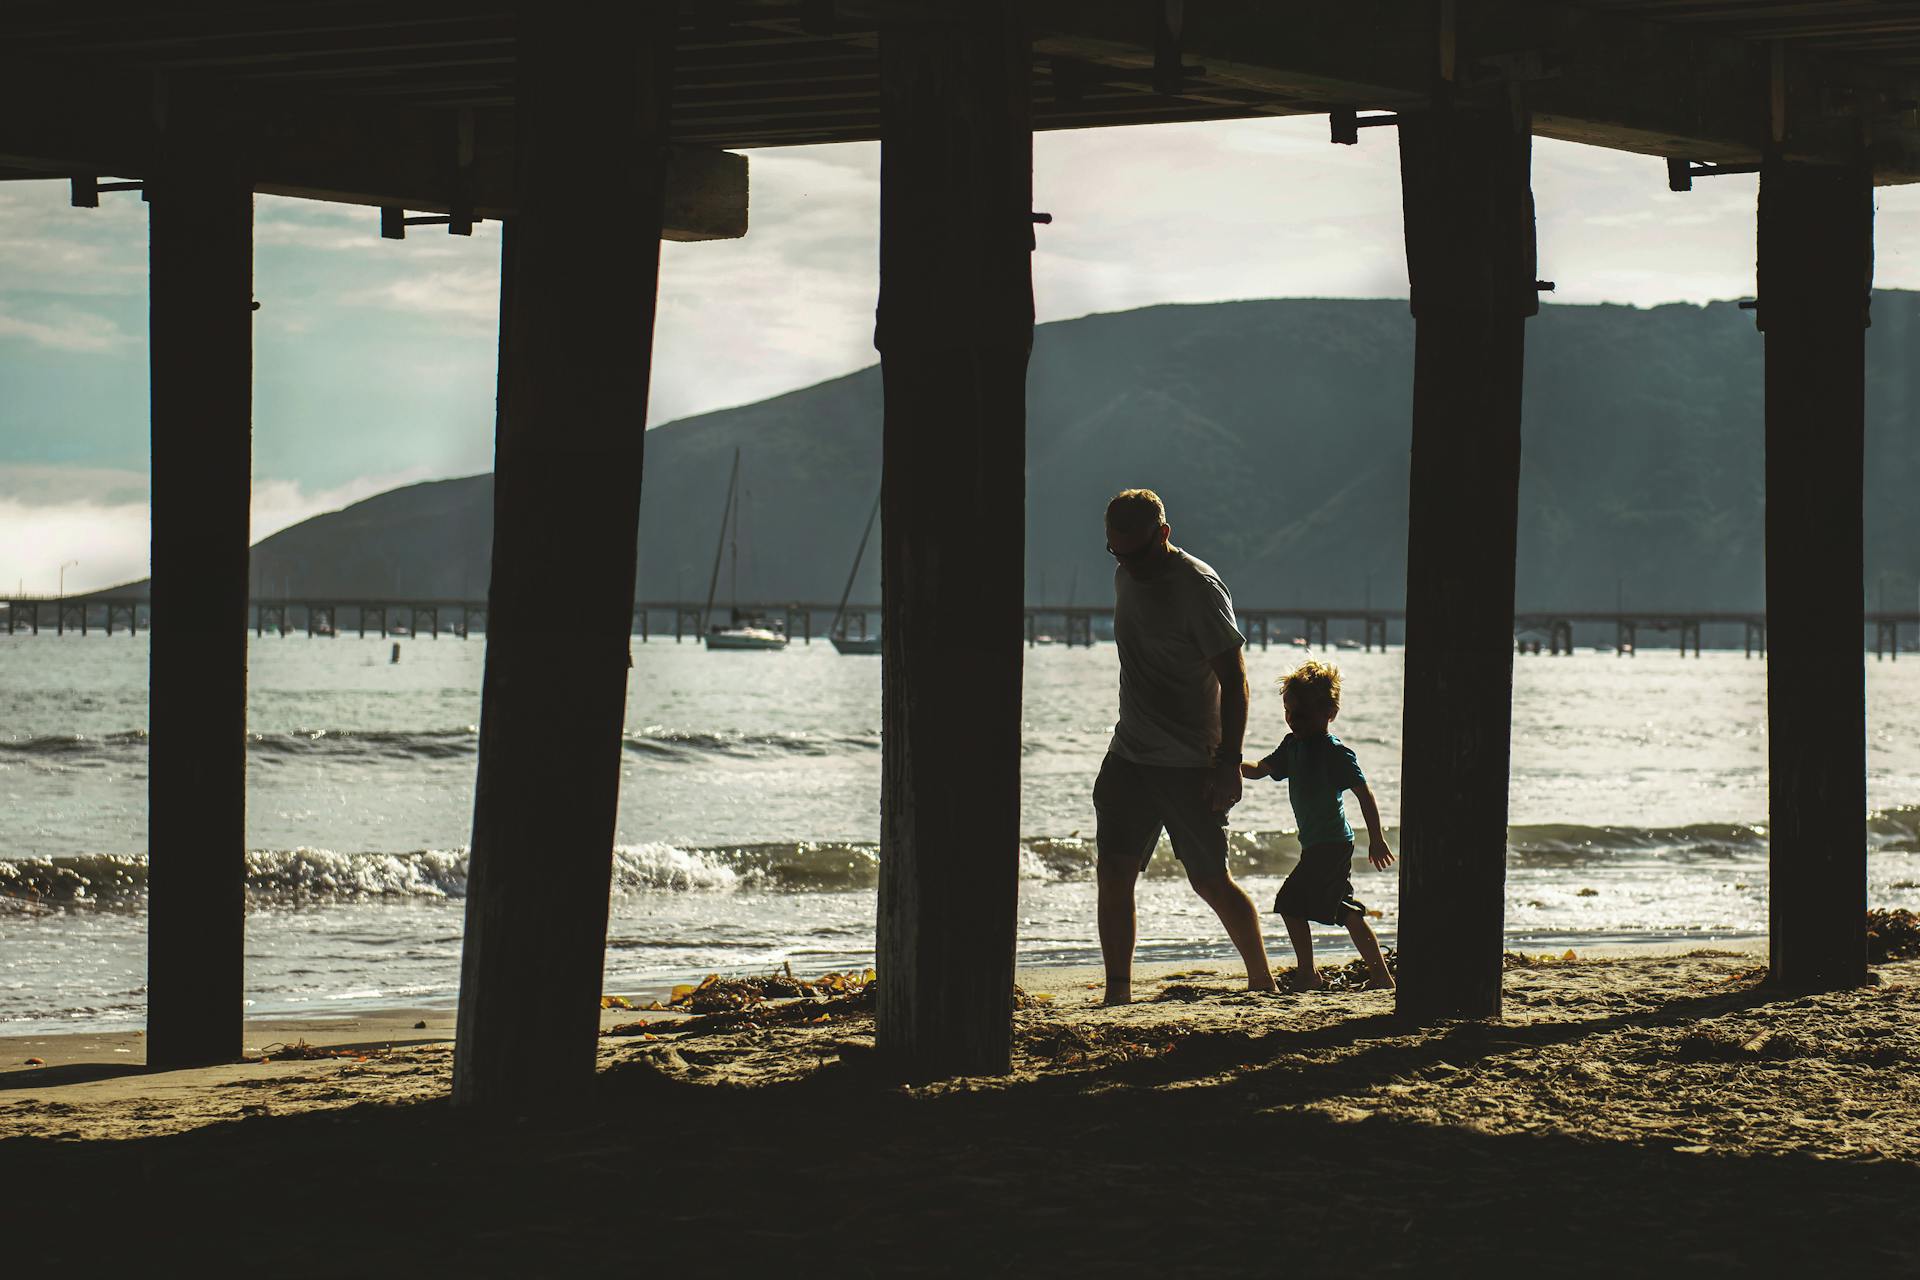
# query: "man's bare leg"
(1236, 911)
(1116, 917)
(1378, 977)
(1305, 976)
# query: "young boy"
(1318, 767)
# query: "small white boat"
(745, 638)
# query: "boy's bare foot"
(1379, 983)
(1114, 999)
(1311, 982)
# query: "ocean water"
(749, 802)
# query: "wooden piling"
(200, 213)
(1470, 258)
(576, 337)
(1815, 278)
(954, 331)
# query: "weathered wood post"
(1815, 278)
(200, 218)
(1470, 258)
(954, 331)
(576, 336)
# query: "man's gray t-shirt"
(1170, 627)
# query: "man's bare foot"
(1311, 982)
(1269, 985)
(1383, 982)
(1116, 998)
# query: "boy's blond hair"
(1313, 685)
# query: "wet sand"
(1660, 1113)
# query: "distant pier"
(1545, 632)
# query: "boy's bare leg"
(1305, 976)
(1369, 947)
(1116, 917)
(1236, 911)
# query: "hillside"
(1276, 430)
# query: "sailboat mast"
(840, 614)
(719, 547)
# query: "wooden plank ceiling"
(754, 73)
(1882, 32)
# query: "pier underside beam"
(1815, 277)
(576, 337)
(1470, 258)
(201, 344)
(954, 332)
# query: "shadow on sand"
(1205, 1158)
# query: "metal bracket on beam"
(1681, 173)
(394, 222)
(1346, 124)
(86, 191)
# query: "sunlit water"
(749, 812)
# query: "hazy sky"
(374, 360)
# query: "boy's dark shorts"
(1321, 887)
(1134, 801)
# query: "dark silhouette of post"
(1815, 278)
(954, 331)
(1470, 258)
(576, 335)
(201, 361)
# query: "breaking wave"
(301, 877)
(655, 741)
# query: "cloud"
(66, 329)
(279, 504)
(466, 295)
(100, 516)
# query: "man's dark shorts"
(1321, 887)
(1135, 801)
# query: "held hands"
(1252, 769)
(1379, 855)
(1222, 787)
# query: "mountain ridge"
(1277, 430)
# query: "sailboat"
(736, 635)
(863, 643)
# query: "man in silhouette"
(1174, 762)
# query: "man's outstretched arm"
(1223, 788)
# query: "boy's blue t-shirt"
(1317, 769)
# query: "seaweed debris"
(715, 994)
(1892, 935)
(744, 1004)
(1521, 960)
(301, 1051)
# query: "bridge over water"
(1549, 631)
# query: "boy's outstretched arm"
(1377, 852)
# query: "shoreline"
(398, 1023)
(106, 1070)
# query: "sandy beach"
(1662, 1112)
